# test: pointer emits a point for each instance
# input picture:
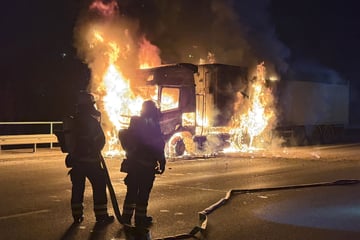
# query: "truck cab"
(196, 103)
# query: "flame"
(257, 120)
(148, 54)
(114, 54)
(98, 36)
(120, 101)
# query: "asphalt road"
(35, 193)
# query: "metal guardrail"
(50, 123)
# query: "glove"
(161, 167)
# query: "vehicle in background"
(312, 112)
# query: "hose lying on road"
(203, 219)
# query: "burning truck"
(197, 104)
(210, 108)
(204, 108)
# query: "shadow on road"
(133, 233)
(70, 232)
(99, 232)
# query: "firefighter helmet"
(150, 109)
(85, 98)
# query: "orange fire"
(120, 101)
(255, 117)
(114, 55)
(148, 54)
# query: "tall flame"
(255, 116)
(148, 54)
(114, 54)
(120, 101)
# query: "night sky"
(41, 72)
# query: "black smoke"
(235, 32)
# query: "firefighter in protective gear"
(86, 158)
(145, 154)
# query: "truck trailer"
(312, 112)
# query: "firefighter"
(86, 160)
(145, 154)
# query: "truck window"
(169, 98)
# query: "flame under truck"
(203, 98)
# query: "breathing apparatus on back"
(85, 105)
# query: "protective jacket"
(146, 144)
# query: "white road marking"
(24, 214)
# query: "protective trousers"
(139, 184)
(96, 175)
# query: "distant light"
(63, 55)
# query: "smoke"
(234, 32)
(308, 70)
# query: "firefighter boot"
(128, 211)
(77, 212)
(141, 219)
(101, 214)
(104, 219)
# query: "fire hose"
(111, 191)
(203, 215)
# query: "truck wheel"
(179, 143)
(179, 147)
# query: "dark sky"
(41, 73)
(325, 31)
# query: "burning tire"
(179, 144)
(179, 147)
